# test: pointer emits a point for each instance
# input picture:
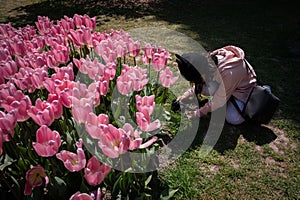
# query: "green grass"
(246, 163)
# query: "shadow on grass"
(228, 140)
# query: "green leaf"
(168, 193)
(58, 188)
(148, 180)
(7, 161)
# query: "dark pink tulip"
(50, 59)
(57, 106)
(42, 113)
(37, 78)
(81, 196)
(73, 162)
(21, 62)
(34, 178)
(81, 37)
(67, 24)
(61, 54)
(47, 142)
(95, 195)
(145, 104)
(44, 25)
(7, 30)
(4, 54)
(8, 69)
(7, 124)
(144, 122)
(96, 125)
(17, 47)
(94, 173)
(114, 142)
(64, 73)
(37, 61)
(166, 77)
(103, 86)
(17, 101)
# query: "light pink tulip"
(47, 142)
(94, 173)
(135, 138)
(96, 125)
(73, 162)
(34, 178)
(114, 142)
(42, 113)
(145, 104)
(138, 77)
(134, 48)
(134, 135)
(124, 84)
(166, 77)
(159, 61)
(144, 122)
(81, 108)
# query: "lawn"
(247, 162)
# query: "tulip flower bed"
(73, 102)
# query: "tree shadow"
(57, 9)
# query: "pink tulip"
(34, 178)
(145, 104)
(134, 135)
(8, 69)
(103, 86)
(47, 142)
(159, 61)
(8, 123)
(94, 172)
(96, 195)
(18, 102)
(124, 84)
(114, 142)
(57, 106)
(44, 25)
(73, 162)
(81, 108)
(138, 77)
(110, 70)
(166, 77)
(144, 122)
(81, 196)
(135, 138)
(96, 125)
(61, 54)
(17, 47)
(134, 48)
(42, 113)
